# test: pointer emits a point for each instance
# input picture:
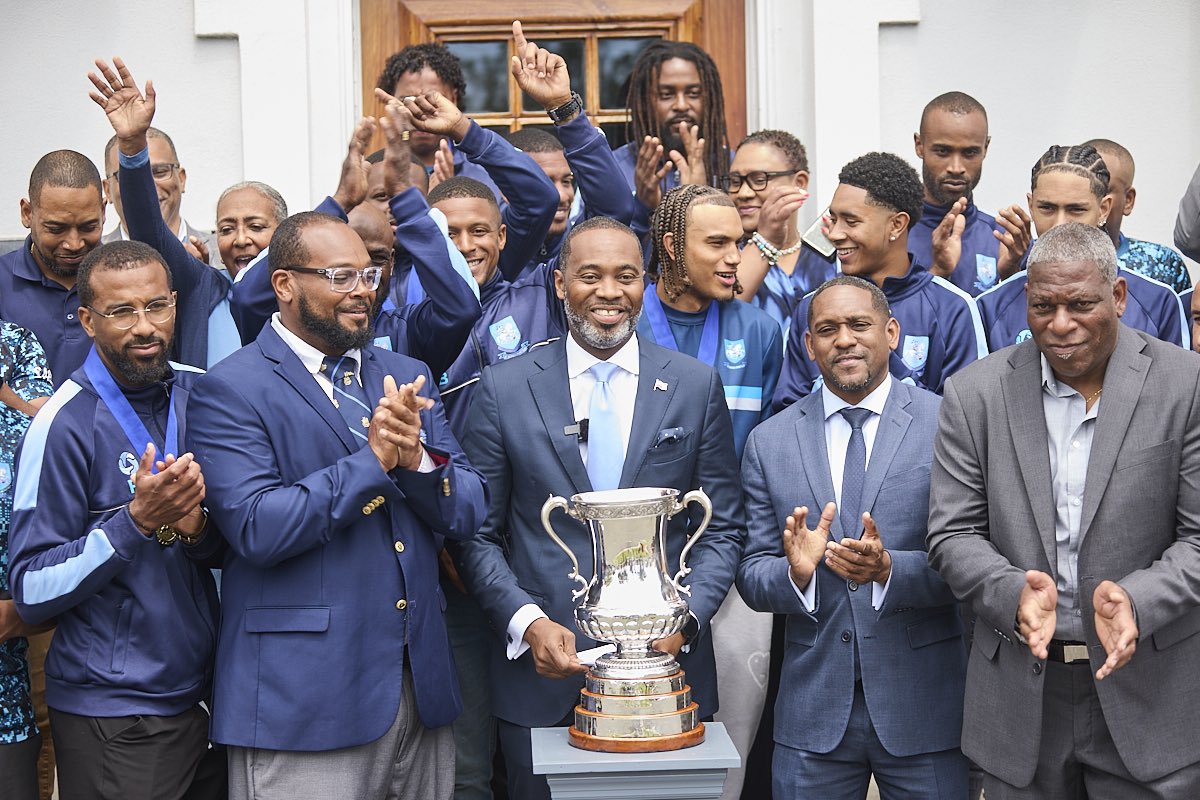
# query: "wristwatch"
(166, 535)
(567, 110)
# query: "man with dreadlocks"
(1070, 184)
(875, 206)
(693, 308)
(676, 123)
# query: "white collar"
(875, 401)
(580, 361)
(309, 356)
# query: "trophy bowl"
(634, 700)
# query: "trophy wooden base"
(659, 744)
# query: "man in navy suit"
(336, 489)
(667, 426)
(874, 665)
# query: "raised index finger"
(518, 37)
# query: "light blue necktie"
(855, 472)
(348, 395)
(606, 453)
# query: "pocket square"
(670, 435)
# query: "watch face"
(166, 535)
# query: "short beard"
(334, 336)
(935, 192)
(61, 270)
(137, 372)
(853, 388)
(586, 330)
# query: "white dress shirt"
(624, 385)
(312, 358)
(837, 438)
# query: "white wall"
(46, 51)
(850, 77)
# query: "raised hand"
(433, 112)
(863, 560)
(553, 649)
(1015, 238)
(1036, 615)
(397, 127)
(947, 239)
(352, 185)
(1115, 626)
(649, 171)
(805, 548)
(443, 165)
(395, 429)
(778, 209)
(167, 496)
(690, 163)
(128, 110)
(541, 74)
(196, 248)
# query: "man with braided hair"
(692, 307)
(676, 123)
(1070, 184)
(875, 206)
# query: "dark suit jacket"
(515, 438)
(910, 651)
(991, 517)
(323, 545)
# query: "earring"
(892, 239)
(1103, 222)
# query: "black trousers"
(137, 758)
(18, 769)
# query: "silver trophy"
(634, 700)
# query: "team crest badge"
(985, 272)
(915, 352)
(735, 352)
(1023, 335)
(5, 476)
(127, 462)
(506, 333)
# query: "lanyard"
(661, 328)
(122, 411)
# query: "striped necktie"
(349, 397)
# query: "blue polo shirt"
(29, 299)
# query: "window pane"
(485, 68)
(615, 133)
(616, 62)
(572, 52)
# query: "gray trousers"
(409, 762)
(1078, 759)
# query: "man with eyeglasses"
(110, 537)
(170, 183)
(335, 489)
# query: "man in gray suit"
(874, 664)
(1066, 509)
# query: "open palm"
(128, 110)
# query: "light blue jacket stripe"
(52, 582)
(29, 468)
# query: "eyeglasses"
(345, 279)
(125, 317)
(757, 179)
(161, 172)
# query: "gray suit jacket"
(991, 517)
(911, 649)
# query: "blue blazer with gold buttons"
(330, 586)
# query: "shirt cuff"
(427, 464)
(807, 595)
(879, 593)
(526, 615)
(134, 161)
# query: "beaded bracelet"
(770, 252)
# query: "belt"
(1067, 652)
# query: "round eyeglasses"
(125, 317)
(344, 279)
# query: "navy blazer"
(911, 650)
(323, 546)
(515, 437)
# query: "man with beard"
(657, 418)
(874, 666)
(335, 489)
(970, 248)
(110, 537)
(677, 124)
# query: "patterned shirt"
(23, 368)
(1155, 261)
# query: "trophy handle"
(694, 496)
(548, 507)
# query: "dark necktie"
(606, 453)
(349, 398)
(854, 473)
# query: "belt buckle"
(1074, 653)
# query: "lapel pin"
(659, 386)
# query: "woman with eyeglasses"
(768, 181)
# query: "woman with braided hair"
(1070, 184)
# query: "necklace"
(1087, 403)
